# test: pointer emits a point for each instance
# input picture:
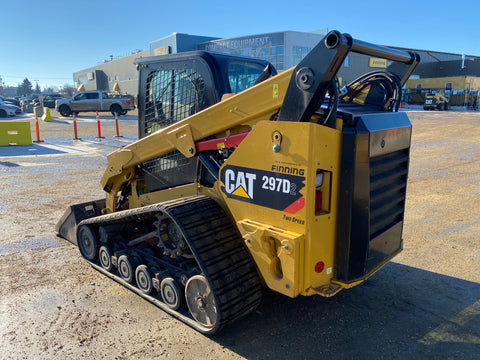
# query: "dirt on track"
(424, 304)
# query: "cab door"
(78, 102)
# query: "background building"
(177, 43)
(437, 71)
(113, 71)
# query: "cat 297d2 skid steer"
(242, 179)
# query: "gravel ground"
(423, 305)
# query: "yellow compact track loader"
(243, 178)
(436, 102)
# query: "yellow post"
(15, 133)
(47, 116)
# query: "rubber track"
(220, 254)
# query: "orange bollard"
(99, 128)
(75, 127)
(37, 129)
(116, 126)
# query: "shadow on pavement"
(26, 150)
(400, 313)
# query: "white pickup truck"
(94, 101)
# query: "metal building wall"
(104, 76)
(176, 43)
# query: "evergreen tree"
(25, 88)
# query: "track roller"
(144, 279)
(87, 242)
(105, 258)
(171, 293)
(126, 268)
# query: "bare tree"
(51, 89)
(67, 90)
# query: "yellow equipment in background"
(436, 102)
(243, 178)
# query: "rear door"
(92, 103)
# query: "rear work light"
(323, 181)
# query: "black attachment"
(313, 76)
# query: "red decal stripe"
(228, 142)
(295, 206)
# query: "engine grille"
(388, 182)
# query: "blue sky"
(49, 40)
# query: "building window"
(299, 52)
(116, 77)
(418, 89)
(448, 86)
(82, 79)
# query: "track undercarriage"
(184, 256)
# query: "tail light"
(128, 102)
(323, 182)
(318, 201)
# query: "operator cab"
(174, 87)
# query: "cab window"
(242, 75)
(81, 96)
(92, 96)
(172, 95)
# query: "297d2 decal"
(265, 188)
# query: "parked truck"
(94, 101)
